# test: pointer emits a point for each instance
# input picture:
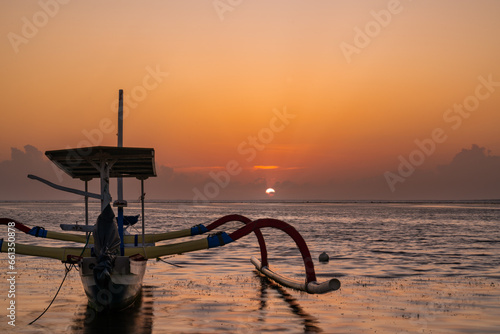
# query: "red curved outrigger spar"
(310, 285)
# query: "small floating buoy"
(323, 257)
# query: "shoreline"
(272, 201)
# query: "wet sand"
(403, 269)
(203, 300)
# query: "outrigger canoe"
(112, 263)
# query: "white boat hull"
(122, 290)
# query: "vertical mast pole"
(120, 138)
(142, 209)
(121, 203)
(86, 205)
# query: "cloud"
(472, 174)
(265, 167)
(14, 183)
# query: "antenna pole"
(120, 118)
(120, 138)
(120, 203)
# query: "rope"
(172, 264)
(71, 266)
(60, 286)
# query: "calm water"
(404, 268)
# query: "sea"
(404, 267)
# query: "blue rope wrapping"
(38, 231)
(218, 239)
(198, 229)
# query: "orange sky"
(232, 68)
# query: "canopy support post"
(86, 206)
(86, 203)
(142, 210)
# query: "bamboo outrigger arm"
(219, 239)
(135, 239)
(65, 254)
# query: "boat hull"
(123, 288)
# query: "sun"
(270, 191)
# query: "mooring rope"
(53, 299)
(172, 264)
(68, 269)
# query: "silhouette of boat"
(112, 263)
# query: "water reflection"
(137, 319)
(311, 323)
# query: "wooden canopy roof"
(84, 163)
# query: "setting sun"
(270, 191)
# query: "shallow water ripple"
(404, 268)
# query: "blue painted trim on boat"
(219, 239)
(119, 221)
(198, 229)
(38, 231)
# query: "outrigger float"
(112, 270)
